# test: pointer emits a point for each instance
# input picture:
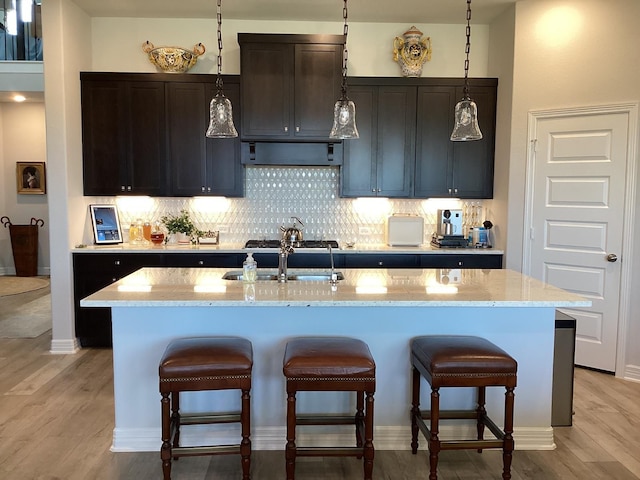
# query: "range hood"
(298, 153)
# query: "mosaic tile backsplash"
(275, 194)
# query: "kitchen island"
(385, 308)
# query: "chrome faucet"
(334, 275)
(285, 250)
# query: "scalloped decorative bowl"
(173, 59)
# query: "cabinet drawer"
(461, 261)
(213, 260)
(369, 260)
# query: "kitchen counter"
(239, 248)
(384, 308)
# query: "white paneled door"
(576, 216)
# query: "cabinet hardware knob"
(380, 264)
(449, 191)
(114, 279)
(297, 129)
(122, 188)
(202, 189)
(209, 189)
(116, 262)
(455, 190)
(459, 264)
(128, 188)
(200, 262)
(286, 129)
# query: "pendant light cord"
(467, 49)
(345, 52)
(219, 18)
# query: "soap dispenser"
(249, 269)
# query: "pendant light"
(344, 111)
(466, 127)
(220, 114)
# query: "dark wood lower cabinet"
(94, 271)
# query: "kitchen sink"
(297, 276)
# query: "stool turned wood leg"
(508, 433)
(481, 412)
(368, 438)
(175, 419)
(245, 444)
(165, 451)
(415, 410)
(359, 417)
(290, 450)
(434, 441)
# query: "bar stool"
(461, 361)
(204, 363)
(330, 364)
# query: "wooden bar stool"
(461, 361)
(204, 363)
(330, 364)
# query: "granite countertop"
(202, 287)
(424, 249)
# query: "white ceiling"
(392, 11)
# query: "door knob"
(612, 257)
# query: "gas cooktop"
(302, 244)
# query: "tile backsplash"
(274, 194)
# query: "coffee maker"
(449, 229)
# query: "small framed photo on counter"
(31, 178)
(106, 224)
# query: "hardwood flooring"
(56, 422)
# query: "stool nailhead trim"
(336, 379)
(197, 379)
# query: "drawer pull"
(116, 262)
(200, 262)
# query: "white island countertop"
(195, 287)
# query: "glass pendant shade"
(344, 120)
(466, 127)
(221, 118)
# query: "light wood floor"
(56, 421)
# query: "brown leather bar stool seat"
(461, 361)
(330, 364)
(204, 363)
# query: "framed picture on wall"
(106, 224)
(31, 178)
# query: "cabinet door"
(473, 161)
(266, 95)
(380, 162)
(123, 137)
(146, 142)
(186, 128)
(434, 149)
(225, 173)
(358, 174)
(396, 140)
(317, 74)
(104, 146)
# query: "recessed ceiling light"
(19, 98)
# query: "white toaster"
(404, 230)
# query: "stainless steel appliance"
(449, 222)
(302, 244)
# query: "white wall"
(22, 129)
(589, 58)
(68, 33)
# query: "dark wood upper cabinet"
(404, 149)
(454, 169)
(289, 85)
(123, 136)
(380, 162)
(144, 134)
(201, 165)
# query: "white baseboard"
(273, 438)
(632, 372)
(64, 347)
